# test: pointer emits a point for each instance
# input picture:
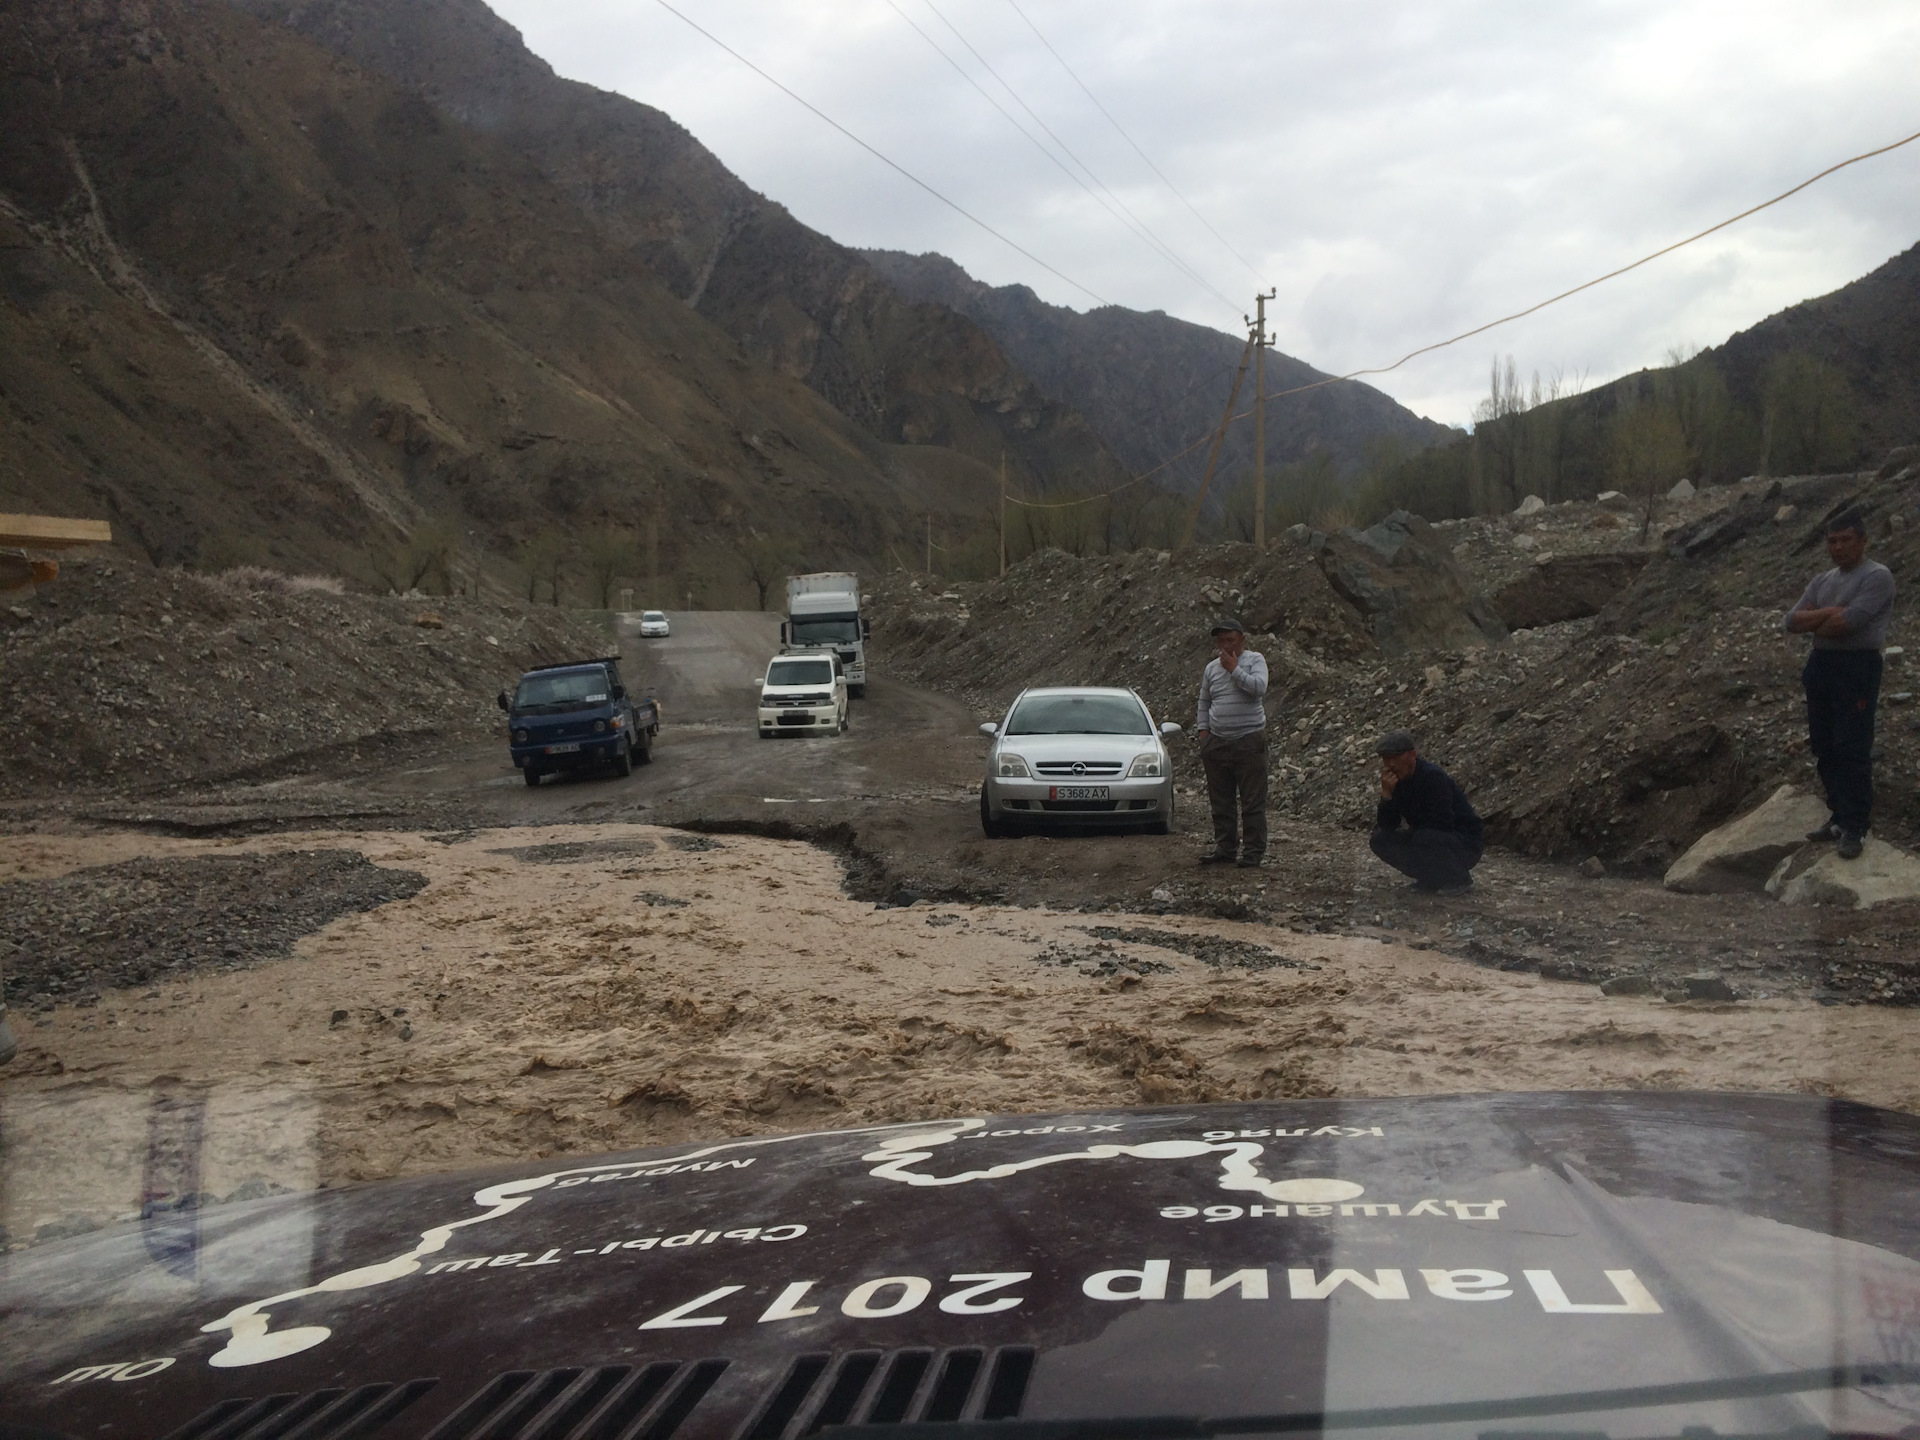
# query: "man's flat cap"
(1226, 623)
(1394, 742)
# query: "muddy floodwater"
(580, 988)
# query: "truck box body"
(823, 613)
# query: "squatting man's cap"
(1227, 624)
(1394, 742)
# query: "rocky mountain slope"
(794, 299)
(1151, 384)
(254, 297)
(1624, 727)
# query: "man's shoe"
(1219, 857)
(1420, 887)
(1828, 831)
(1250, 862)
(1464, 887)
(1849, 846)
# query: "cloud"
(1399, 173)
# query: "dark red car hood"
(1291, 1258)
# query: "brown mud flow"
(574, 989)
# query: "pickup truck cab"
(576, 715)
(803, 694)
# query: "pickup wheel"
(623, 760)
(846, 719)
(532, 772)
(644, 755)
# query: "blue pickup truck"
(577, 715)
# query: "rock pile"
(1623, 735)
(125, 676)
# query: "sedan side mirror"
(989, 729)
(502, 698)
(1169, 729)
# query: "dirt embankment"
(120, 676)
(1669, 705)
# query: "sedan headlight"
(1143, 765)
(1013, 767)
(519, 737)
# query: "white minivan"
(803, 695)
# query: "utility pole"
(929, 542)
(1260, 418)
(1003, 512)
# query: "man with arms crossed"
(1845, 611)
(1232, 730)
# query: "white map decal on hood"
(251, 1340)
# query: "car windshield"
(824, 630)
(652, 616)
(1078, 715)
(561, 690)
(800, 672)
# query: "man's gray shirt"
(1231, 701)
(1866, 592)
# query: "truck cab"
(578, 715)
(823, 616)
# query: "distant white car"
(653, 625)
(803, 695)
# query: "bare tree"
(609, 554)
(767, 558)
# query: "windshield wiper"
(1194, 1427)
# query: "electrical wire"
(1147, 238)
(1504, 319)
(884, 159)
(1118, 127)
(1144, 231)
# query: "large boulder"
(1409, 589)
(1743, 853)
(1818, 876)
(1566, 587)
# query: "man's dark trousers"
(1843, 693)
(1236, 772)
(1437, 858)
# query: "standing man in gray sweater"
(1845, 610)
(1232, 730)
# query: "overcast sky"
(1398, 172)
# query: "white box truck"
(823, 613)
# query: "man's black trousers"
(1439, 858)
(1843, 692)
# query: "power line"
(1505, 319)
(1141, 227)
(1149, 239)
(1131, 141)
(884, 159)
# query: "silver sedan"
(1077, 756)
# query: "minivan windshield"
(800, 672)
(1078, 715)
(563, 690)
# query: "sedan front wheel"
(993, 829)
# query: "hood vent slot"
(601, 1402)
(872, 1387)
(322, 1415)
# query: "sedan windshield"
(800, 672)
(652, 616)
(1078, 715)
(567, 690)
